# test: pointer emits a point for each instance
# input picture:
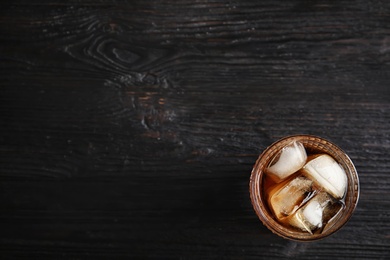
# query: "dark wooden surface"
(129, 128)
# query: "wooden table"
(129, 129)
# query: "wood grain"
(129, 128)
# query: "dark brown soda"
(269, 183)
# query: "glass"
(262, 183)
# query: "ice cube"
(291, 159)
(316, 213)
(327, 173)
(286, 197)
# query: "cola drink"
(304, 188)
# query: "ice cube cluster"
(308, 189)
